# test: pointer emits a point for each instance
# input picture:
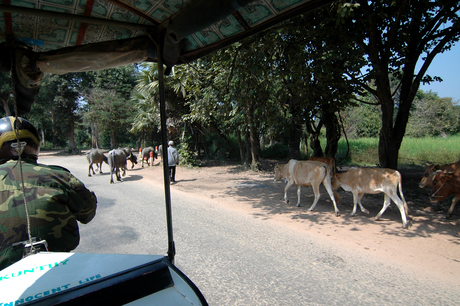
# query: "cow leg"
(401, 206)
(288, 185)
(124, 171)
(452, 207)
(118, 175)
(299, 189)
(317, 196)
(398, 202)
(89, 169)
(359, 197)
(100, 168)
(334, 196)
(386, 203)
(356, 199)
(111, 176)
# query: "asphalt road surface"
(237, 259)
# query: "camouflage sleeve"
(82, 202)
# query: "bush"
(220, 148)
(275, 151)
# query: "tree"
(66, 99)
(433, 116)
(395, 35)
(314, 62)
(105, 94)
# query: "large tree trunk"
(240, 145)
(247, 143)
(94, 135)
(295, 135)
(391, 134)
(253, 139)
(113, 138)
(315, 144)
(53, 130)
(72, 145)
(295, 127)
(332, 134)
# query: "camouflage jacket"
(55, 200)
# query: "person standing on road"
(37, 201)
(173, 160)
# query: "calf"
(429, 176)
(117, 161)
(327, 160)
(146, 154)
(130, 156)
(444, 186)
(366, 180)
(431, 170)
(306, 173)
(95, 156)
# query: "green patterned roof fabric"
(191, 28)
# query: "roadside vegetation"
(342, 81)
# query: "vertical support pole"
(164, 142)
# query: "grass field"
(414, 151)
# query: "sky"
(447, 66)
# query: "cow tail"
(406, 207)
(328, 175)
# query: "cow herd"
(443, 180)
(116, 159)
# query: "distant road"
(236, 259)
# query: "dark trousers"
(172, 173)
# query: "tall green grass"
(414, 151)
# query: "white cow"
(306, 173)
(373, 180)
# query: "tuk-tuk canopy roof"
(186, 29)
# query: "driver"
(55, 199)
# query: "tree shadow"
(268, 197)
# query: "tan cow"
(327, 160)
(373, 180)
(306, 173)
(430, 171)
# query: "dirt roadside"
(428, 247)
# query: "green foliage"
(82, 138)
(437, 150)
(186, 156)
(433, 116)
(362, 121)
(414, 151)
(217, 147)
(275, 151)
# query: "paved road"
(236, 259)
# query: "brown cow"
(327, 160)
(444, 186)
(428, 177)
(430, 171)
(366, 180)
(306, 173)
